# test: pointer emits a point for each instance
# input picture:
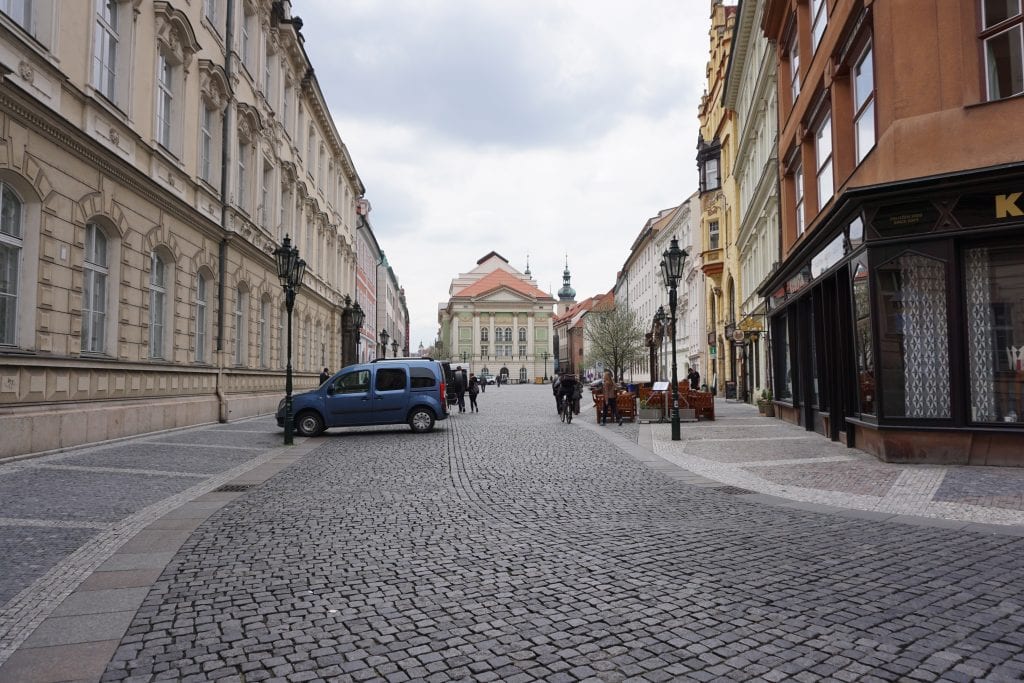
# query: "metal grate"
(231, 488)
(731, 490)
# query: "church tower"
(566, 295)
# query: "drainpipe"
(222, 252)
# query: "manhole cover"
(731, 490)
(230, 488)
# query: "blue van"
(382, 392)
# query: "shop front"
(899, 329)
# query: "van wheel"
(309, 423)
(421, 420)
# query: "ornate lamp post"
(545, 354)
(290, 271)
(672, 260)
(352, 317)
(659, 326)
(358, 316)
(394, 348)
(384, 343)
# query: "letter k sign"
(1006, 205)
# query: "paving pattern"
(506, 546)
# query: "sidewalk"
(770, 458)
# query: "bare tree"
(615, 339)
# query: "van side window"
(422, 378)
(389, 379)
(353, 383)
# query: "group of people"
(567, 387)
(467, 384)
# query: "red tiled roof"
(500, 278)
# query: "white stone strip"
(53, 523)
(755, 438)
(204, 445)
(795, 461)
(25, 611)
(914, 487)
(112, 470)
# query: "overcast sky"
(526, 127)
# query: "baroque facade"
(497, 321)
(151, 160)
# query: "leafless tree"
(615, 339)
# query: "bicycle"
(565, 409)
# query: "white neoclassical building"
(750, 91)
(497, 321)
(153, 156)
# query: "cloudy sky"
(526, 127)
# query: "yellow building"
(719, 207)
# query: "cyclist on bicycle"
(566, 390)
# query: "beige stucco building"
(497, 321)
(153, 155)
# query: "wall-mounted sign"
(713, 352)
(737, 335)
(711, 339)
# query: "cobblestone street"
(506, 546)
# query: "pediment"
(503, 294)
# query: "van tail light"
(444, 397)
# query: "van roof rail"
(405, 358)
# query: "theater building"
(897, 311)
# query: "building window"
(864, 103)
(164, 99)
(20, 11)
(913, 337)
(798, 193)
(1002, 36)
(864, 341)
(94, 289)
(783, 368)
(241, 343)
(310, 148)
(286, 106)
(823, 156)
(266, 195)
(713, 235)
(210, 11)
(244, 156)
(10, 262)
(264, 333)
(522, 335)
(522, 350)
(202, 305)
(248, 37)
(483, 335)
(157, 305)
(268, 77)
(207, 119)
(508, 338)
(819, 17)
(709, 174)
(483, 350)
(105, 51)
(995, 335)
(794, 69)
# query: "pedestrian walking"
(555, 386)
(609, 390)
(461, 384)
(325, 375)
(474, 389)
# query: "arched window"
(508, 335)
(157, 306)
(11, 245)
(202, 313)
(522, 335)
(308, 360)
(483, 335)
(522, 375)
(95, 271)
(241, 338)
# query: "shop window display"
(914, 337)
(995, 333)
(864, 340)
(783, 368)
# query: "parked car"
(382, 392)
(487, 378)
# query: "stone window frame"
(161, 298)
(987, 34)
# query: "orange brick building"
(897, 309)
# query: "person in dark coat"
(474, 389)
(325, 375)
(694, 377)
(461, 384)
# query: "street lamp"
(290, 270)
(672, 260)
(545, 354)
(659, 324)
(358, 316)
(384, 343)
(394, 348)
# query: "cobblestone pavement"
(508, 546)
